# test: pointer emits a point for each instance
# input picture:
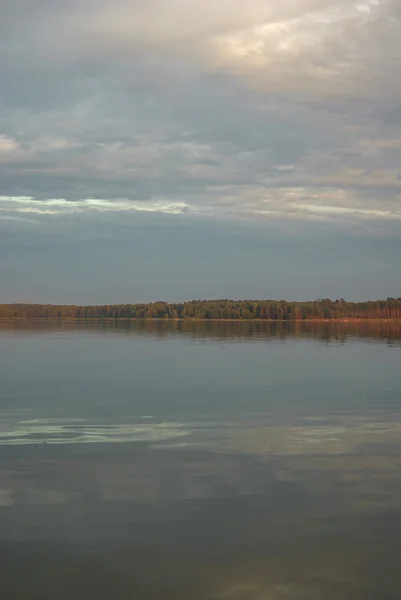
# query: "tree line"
(322, 309)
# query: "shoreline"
(198, 319)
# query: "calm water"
(200, 461)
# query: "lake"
(200, 461)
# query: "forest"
(277, 310)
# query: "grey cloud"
(283, 114)
(98, 117)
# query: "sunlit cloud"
(57, 206)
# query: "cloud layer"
(278, 112)
(234, 105)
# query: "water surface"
(200, 460)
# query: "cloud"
(60, 206)
(321, 49)
(283, 113)
(135, 100)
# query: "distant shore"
(320, 310)
(200, 320)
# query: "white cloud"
(251, 202)
(327, 50)
(59, 206)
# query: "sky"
(183, 149)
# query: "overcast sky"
(179, 149)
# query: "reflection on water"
(136, 462)
(338, 331)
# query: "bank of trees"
(214, 309)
